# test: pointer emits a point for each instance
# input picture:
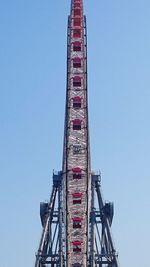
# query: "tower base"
(51, 252)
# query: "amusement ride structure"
(76, 221)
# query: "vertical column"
(76, 164)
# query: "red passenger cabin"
(77, 11)
(77, 62)
(77, 3)
(77, 33)
(76, 173)
(76, 102)
(77, 22)
(76, 222)
(76, 246)
(77, 124)
(77, 198)
(77, 46)
(77, 81)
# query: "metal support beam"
(50, 248)
(105, 252)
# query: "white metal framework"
(75, 232)
(76, 167)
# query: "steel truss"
(50, 247)
(102, 251)
(76, 221)
(101, 248)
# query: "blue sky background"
(32, 101)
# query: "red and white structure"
(76, 233)
(76, 165)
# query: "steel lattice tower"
(75, 232)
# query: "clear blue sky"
(32, 100)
